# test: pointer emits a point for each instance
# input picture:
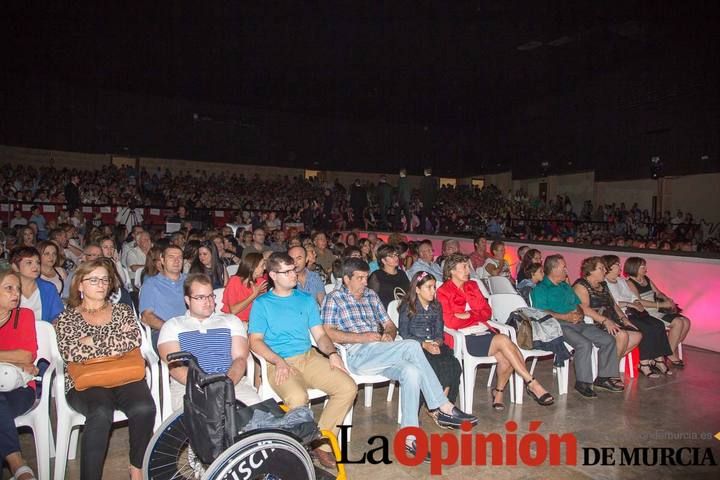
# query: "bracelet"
(333, 352)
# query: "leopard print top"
(121, 335)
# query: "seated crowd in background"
(333, 206)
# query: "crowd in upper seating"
(316, 204)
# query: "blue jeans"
(12, 404)
(403, 361)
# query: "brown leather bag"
(108, 372)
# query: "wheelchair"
(261, 454)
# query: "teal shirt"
(560, 298)
(285, 322)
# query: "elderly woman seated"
(598, 304)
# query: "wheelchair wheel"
(263, 455)
(168, 454)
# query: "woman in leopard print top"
(90, 328)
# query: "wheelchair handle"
(205, 379)
(212, 378)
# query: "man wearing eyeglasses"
(281, 322)
(218, 341)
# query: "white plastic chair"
(232, 269)
(368, 381)
(502, 306)
(68, 418)
(501, 285)
(482, 287)
(138, 277)
(38, 417)
(470, 363)
(394, 315)
(219, 292)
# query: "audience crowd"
(332, 206)
(270, 290)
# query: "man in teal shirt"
(554, 295)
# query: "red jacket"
(454, 300)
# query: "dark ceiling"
(447, 64)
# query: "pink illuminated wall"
(694, 283)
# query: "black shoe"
(455, 419)
(607, 384)
(412, 450)
(585, 389)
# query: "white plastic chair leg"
(368, 394)
(469, 375)
(532, 367)
(679, 351)
(391, 390)
(490, 377)
(562, 377)
(74, 438)
(62, 447)
(519, 388)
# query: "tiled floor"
(649, 411)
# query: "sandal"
(545, 400)
(648, 370)
(497, 405)
(660, 368)
(677, 363)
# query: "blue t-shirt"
(163, 296)
(285, 322)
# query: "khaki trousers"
(314, 371)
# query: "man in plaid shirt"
(354, 316)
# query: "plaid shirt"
(343, 311)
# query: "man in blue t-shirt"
(281, 322)
(161, 296)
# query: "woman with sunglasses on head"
(389, 282)
(654, 346)
(92, 327)
(18, 347)
(208, 262)
(421, 319)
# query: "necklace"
(94, 310)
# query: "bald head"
(299, 256)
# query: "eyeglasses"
(202, 298)
(94, 281)
(392, 255)
(286, 272)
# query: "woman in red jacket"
(464, 306)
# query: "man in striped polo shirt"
(218, 341)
